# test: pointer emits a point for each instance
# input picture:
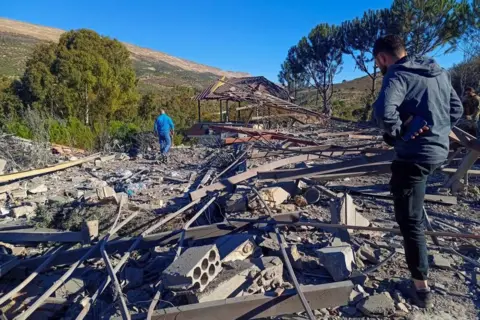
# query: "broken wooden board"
(469, 172)
(32, 173)
(259, 305)
(230, 182)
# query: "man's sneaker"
(422, 298)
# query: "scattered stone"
(106, 194)
(41, 188)
(19, 194)
(274, 196)
(271, 275)
(59, 200)
(24, 211)
(196, 267)
(402, 307)
(300, 201)
(377, 305)
(441, 262)
(369, 254)
(337, 260)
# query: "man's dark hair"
(391, 44)
(470, 89)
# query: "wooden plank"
(335, 176)
(259, 306)
(469, 172)
(247, 139)
(230, 182)
(466, 164)
(37, 172)
(44, 235)
(465, 139)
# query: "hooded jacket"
(163, 124)
(418, 86)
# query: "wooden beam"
(247, 139)
(453, 170)
(258, 306)
(232, 181)
(466, 164)
(48, 235)
(37, 172)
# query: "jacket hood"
(423, 66)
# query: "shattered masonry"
(125, 236)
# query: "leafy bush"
(19, 129)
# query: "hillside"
(154, 68)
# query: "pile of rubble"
(277, 225)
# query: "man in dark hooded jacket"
(414, 86)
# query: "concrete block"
(19, 194)
(9, 187)
(270, 276)
(39, 188)
(235, 247)
(106, 194)
(377, 305)
(23, 211)
(195, 268)
(337, 260)
(369, 254)
(441, 262)
(238, 202)
(235, 277)
(274, 196)
(343, 211)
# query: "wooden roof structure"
(228, 89)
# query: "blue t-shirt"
(163, 124)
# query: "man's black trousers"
(408, 184)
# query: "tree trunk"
(87, 111)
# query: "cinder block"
(274, 196)
(194, 269)
(236, 247)
(344, 211)
(337, 260)
(235, 277)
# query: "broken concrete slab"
(235, 277)
(195, 268)
(24, 211)
(274, 196)
(270, 277)
(39, 188)
(106, 194)
(441, 262)
(236, 247)
(72, 286)
(9, 187)
(377, 305)
(19, 194)
(337, 260)
(59, 200)
(343, 211)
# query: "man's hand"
(419, 132)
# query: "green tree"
(428, 25)
(359, 36)
(292, 75)
(321, 57)
(85, 75)
(147, 106)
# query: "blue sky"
(248, 35)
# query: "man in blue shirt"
(164, 128)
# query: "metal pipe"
(282, 244)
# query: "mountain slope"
(154, 68)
